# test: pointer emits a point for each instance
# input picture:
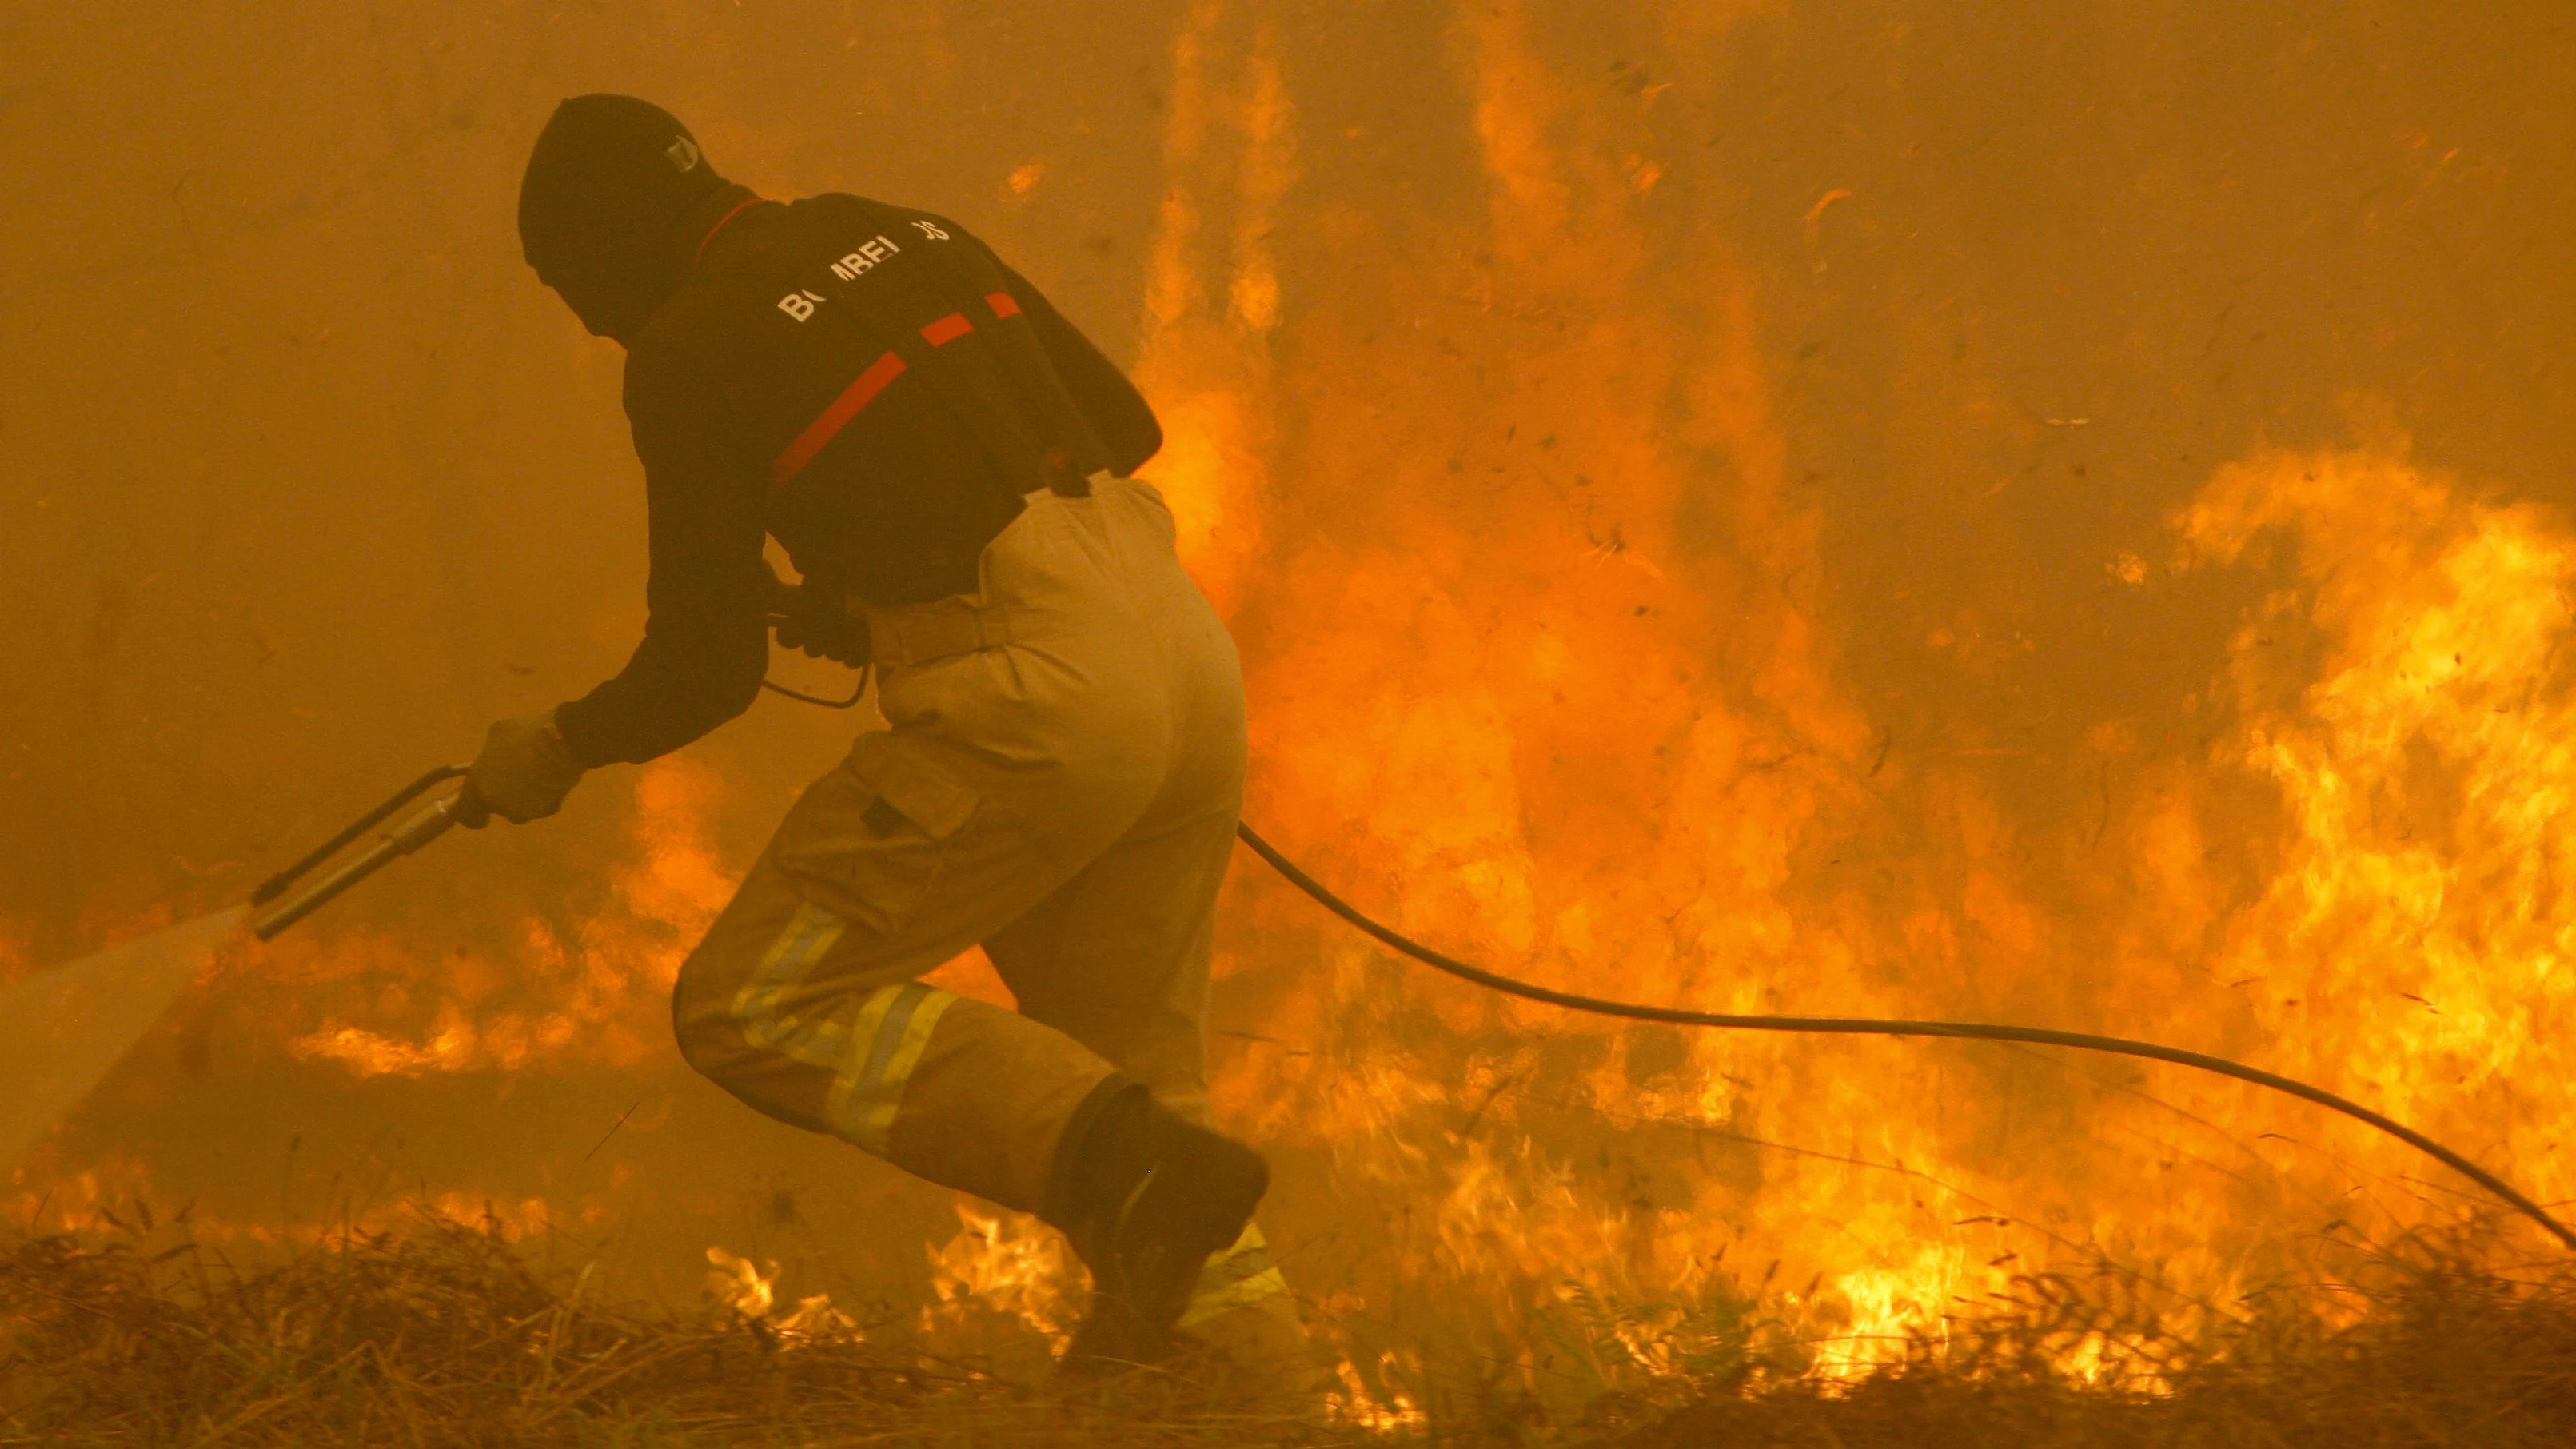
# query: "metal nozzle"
(415, 831)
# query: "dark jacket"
(871, 385)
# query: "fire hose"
(431, 821)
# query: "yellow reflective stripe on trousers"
(885, 1043)
(809, 934)
(1236, 1278)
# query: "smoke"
(1758, 506)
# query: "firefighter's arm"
(706, 636)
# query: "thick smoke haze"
(1773, 506)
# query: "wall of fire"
(1978, 511)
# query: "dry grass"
(2412, 1347)
(444, 1336)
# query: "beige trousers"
(1060, 784)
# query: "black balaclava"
(600, 209)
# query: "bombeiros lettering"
(863, 261)
(800, 304)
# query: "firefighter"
(948, 464)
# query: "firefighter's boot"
(1242, 1340)
(1147, 1197)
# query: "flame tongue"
(1533, 602)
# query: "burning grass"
(2419, 1347)
(444, 1334)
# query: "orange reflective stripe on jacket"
(862, 390)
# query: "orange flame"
(1007, 1263)
(1544, 672)
(2412, 946)
(739, 1284)
(601, 989)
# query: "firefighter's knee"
(709, 1034)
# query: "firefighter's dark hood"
(609, 185)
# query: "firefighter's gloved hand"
(523, 774)
(820, 624)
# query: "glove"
(523, 774)
(820, 624)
